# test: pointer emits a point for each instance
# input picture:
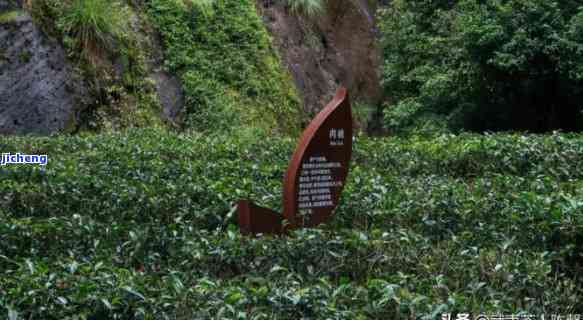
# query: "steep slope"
(48, 85)
(231, 74)
(214, 67)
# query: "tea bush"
(140, 225)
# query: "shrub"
(94, 24)
(139, 224)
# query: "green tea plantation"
(141, 225)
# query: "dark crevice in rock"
(168, 86)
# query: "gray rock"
(168, 86)
(40, 93)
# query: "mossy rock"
(10, 16)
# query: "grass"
(309, 8)
(138, 224)
(95, 24)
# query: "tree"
(484, 65)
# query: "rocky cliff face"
(42, 94)
(322, 52)
(39, 92)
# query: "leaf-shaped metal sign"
(315, 176)
(318, 169)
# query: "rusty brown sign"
(315, 176)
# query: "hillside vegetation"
(229, 69)
(139, 225)
(230, 74)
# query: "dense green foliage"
(139, 225)
(230, 71)
(484, 65)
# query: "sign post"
(315, 176)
